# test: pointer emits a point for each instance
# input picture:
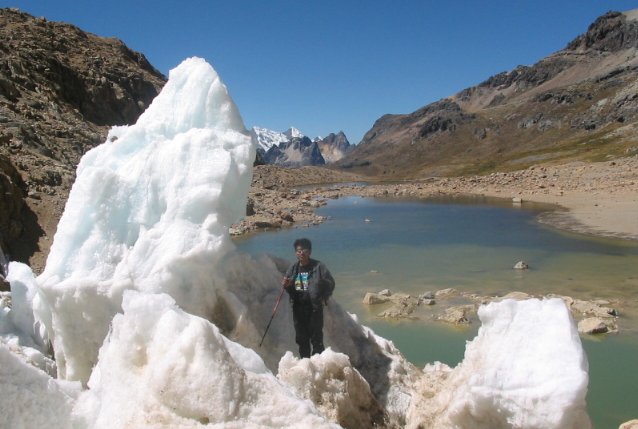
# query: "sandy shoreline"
(610, 215)
(600, 198)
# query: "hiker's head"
(303, 248)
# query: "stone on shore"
(457, 315)
(372, 298)
(518, 296)
(593, 309)
(401, 310)
(427, 295)
(446, 293)
(592, 325)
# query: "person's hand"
(286, 282)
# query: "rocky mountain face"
(264, 139)
(580, 103)
(334, 147)
(296, 152)
(61, 89)
(292, 149)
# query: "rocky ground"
(282, 197)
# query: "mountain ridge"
(544, 112)
(292, 148)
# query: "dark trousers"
(308, 327)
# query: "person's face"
(303, 255)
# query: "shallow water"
(472, 245)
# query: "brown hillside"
(60, 90)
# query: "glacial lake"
(472, 244)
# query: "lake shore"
(599, 198)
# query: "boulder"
(592, 325)
(401, 310)
(445, 293)
(427, 295)
(399, 297)
(593, 309)
(374, 298)
(287, 216)
(456, 315)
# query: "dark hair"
(304, 243)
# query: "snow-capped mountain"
(297, 152)
(292, 148)
(292, 133)
(265, 138)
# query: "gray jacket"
(320, 283)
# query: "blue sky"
(325, 66)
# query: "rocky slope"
(61, 89)
(578, 103)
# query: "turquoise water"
(472, 245)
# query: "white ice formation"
(525, 369)
(155, 318)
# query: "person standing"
(309, 284)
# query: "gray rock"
(521, 265)
(374, 299)
(401, 310)
(457, 315)
(446, 293)
(427, 295)
(592, 325)
(593, 309)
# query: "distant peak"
(293, 132)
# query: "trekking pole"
(274, 311)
